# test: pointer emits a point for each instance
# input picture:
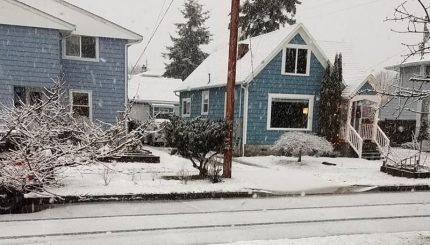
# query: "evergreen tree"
(185, 53)
(263, 16)
(330, 102)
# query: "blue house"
(278, 90)
(53, 39)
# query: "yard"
(271, 174)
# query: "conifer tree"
(330, 102)
(262, 16)
(185, 53)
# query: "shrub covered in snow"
(197, 139)
(299, 144)
(46, 137)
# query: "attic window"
(296, 60)
(80, 47)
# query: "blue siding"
(270, 80)
(29, 57)
(367, 89)
(106, 79)
(298, 40)
(216, 102)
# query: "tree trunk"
(300, 156)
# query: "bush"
(198, 140)
(298, 144)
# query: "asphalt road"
(220, 221)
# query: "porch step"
(372, 155)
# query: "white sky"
(360, 22)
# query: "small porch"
(362, 131)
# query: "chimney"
(426, 38)
(242, 50)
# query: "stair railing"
(355, 140)
(366, 131)
(382, 141)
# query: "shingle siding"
(105, 79)
(270, 80)
(31, 57)
(216, 103)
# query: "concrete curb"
(35, 204)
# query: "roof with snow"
(61, 15)
(413, 60)
(16, 13)
(263, 49)
(143, 88)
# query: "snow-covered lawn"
(408, 238)
(276, 174)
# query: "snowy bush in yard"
(197, 139)
(47, 137)
(299, 144)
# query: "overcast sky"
(360, 22)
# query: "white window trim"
(188, 100)
(284, 58)
(67, 57)
(311, 99)
(90, 100)
(203, 101)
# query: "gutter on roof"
(206, 87)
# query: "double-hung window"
(186, 107)
(205, 102)
(296, 60)
(81, 47)
(81, 102)
(290, 112)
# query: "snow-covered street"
(220, 221)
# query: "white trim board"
(311, 99)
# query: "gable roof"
(263, 49)
(414, 60)
(87, 23)
(153, 89)
(16, 13)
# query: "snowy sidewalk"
(265, 174)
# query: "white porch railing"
(366, 131)
(382, 141)
(355, 140)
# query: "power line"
(152, 35)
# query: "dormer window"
(296, 60)
(81, 47)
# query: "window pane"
(73, 46)
(289, 114)
(35, 98)
(81, 111)
(302, 61)
(19, 96)
(89, 47)
(205, 108)
(80, 99)
(290, 60)
(188, 108)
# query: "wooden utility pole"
(231, 82)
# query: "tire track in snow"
(70, 234)
(212, 212)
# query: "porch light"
(305, 110)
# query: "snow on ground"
(271, 173)
(408, 238)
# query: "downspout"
(127, 45)
(245, 87)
